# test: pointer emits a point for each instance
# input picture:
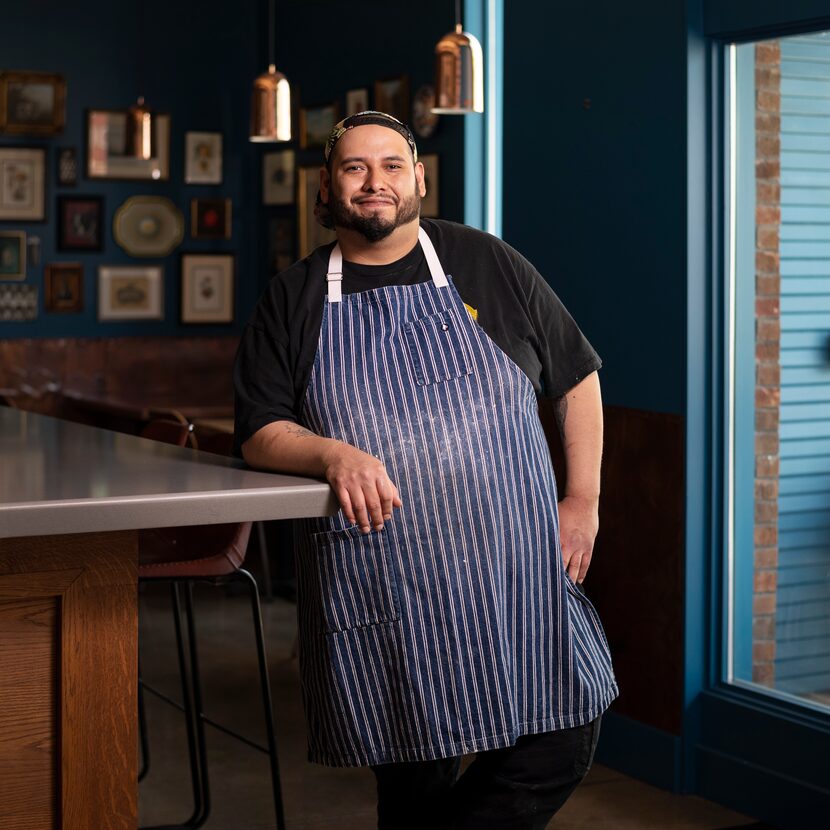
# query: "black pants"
(517, 788)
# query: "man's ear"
(419, 179)
(325, 185)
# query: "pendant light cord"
(271, 33)
(457, 12)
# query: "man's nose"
(374, 181)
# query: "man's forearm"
(287, 447)
(579, 417)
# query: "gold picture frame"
(32, 103)
(130, 292)
(310, 233)
(207, 288)
(22, 184)
(12, 255)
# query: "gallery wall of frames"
(94, 242)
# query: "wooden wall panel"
(86, 726)
(28, 692)
(636, 578)
(38, 369)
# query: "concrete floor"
(315, 797)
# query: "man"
(439, 614)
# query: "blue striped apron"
(455, 629)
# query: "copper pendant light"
(459, 72)
(140, 129)
(271, 97)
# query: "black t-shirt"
(514, 305)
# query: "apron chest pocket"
(357, 579)
(437, 347)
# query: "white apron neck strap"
(438, 275)
(334, 277)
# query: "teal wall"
(595, 197)
(198, 64)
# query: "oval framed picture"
(150, 226)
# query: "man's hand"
(359, 480)
(362, 486)
(578, 526)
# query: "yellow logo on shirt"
(473, 311)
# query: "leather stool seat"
(192, 552)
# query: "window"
(778, 368)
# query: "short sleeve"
(262, 377)
(565, 353)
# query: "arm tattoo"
(561, 412)
(296, 429)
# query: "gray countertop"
(60, 477)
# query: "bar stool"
(182, 556)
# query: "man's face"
(373, 186)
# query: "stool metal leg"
(267, 703)
(201, 800)
(264, 561)
(198, 707)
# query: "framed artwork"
(311, 234)
(203, 158)
(63, 287)
(392, 96)
(315, 125)
(106, 141)
(210, 218)
(281, 243)
(18, 303)
(130, 292)
(66, 171)
(430, 203)
(357, 100)
(424, 120)
(278, 178)
(148, 226)
(207, 288)
(12, 255)
(32, 103)
(80, 223)
(22, 184)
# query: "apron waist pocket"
(358, 584)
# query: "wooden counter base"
(68, 675)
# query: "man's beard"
(374, 227)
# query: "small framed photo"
(315, 125)
(18, 303)
(210, 218)
(63, 287)
(392, 97)
(32, 103)
(66, 169)
(311, 234)
(278, 178)
(22, 184)
(130, 292)
(357, 100)
(80, 223)
(207, 288)
(203, 158)
(430, 205)
(106, 143)
(12, 255)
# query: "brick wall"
(767, 354)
